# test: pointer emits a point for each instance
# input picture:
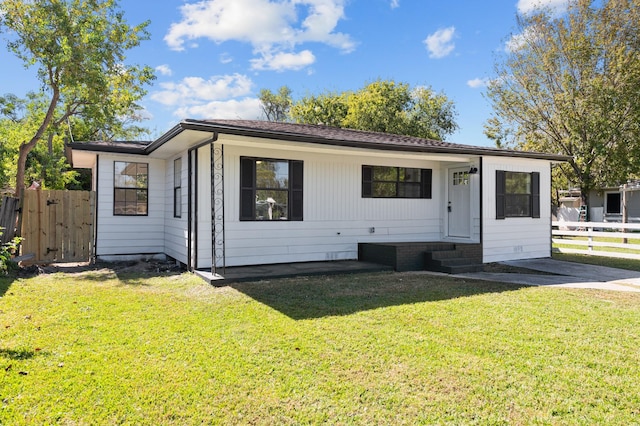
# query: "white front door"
(459, 203)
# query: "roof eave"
(205, 126)
(79, 146)
(291, 137)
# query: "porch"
(451, 258)
(287, 270)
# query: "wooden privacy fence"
(57, 226)
(8, 218)
(597, 238)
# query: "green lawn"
(613, 262)
(569, 242)
(388, 348)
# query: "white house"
(236, 192)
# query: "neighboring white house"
(605, 204)
(238, 192)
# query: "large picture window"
(271, 190)
(395, 182)
(517, 194)
(177, 187)
(130, 188)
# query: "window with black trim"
(130, 188)
(270, 189)
(517, 194)
(177, 187)
(395, 182)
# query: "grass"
(613, 262)
(388, 348)
(567, 243)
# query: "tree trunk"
(26, 148)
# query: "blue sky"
(212, 57)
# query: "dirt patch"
(132, 267)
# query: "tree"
(382, 106)
(275, 105)
(46, 163)
(78, 48)
(329, 109)
(570, 84)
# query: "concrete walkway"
(569, 275)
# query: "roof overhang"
(190, 133)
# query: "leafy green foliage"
(381, 106)
(7, 250)
(329, 109)
(78, 50)
(275, 106)
(570, 85)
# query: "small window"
(177, 187)
(614, 203)
(271, 190)
(517, 194)
(131, 185)
(395, 182)
(460, 178)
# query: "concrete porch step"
(462, 259)
(416, 256)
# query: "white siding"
(515, 238)
(204, 207)
(175, 229)
(128, 235)
(336, 217)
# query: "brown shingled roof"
(320, 131)
(311, 133)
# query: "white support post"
(625, 212)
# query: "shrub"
(6, 251)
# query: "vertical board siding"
(130, 235)
(515, 238)
(204, 207)
(175, 228)
(336, 217)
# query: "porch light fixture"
(473, 170)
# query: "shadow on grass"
(17, 354)
(5, 283)
(317, 297)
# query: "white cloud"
(527, 6)
(225, 96)
(478, 82)
(164, 69)
(196, 90)
(440, 43)
(272, 26)
(283, 61)
(226, 58)
(395, 3)
(246, 108)
(517, 41)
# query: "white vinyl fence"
(617, 236)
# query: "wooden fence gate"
(57, 226)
